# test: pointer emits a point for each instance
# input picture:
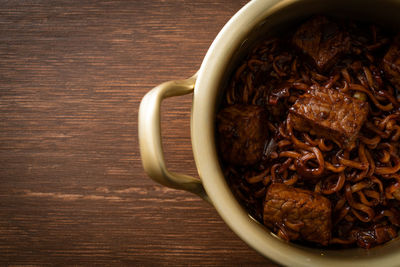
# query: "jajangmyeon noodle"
(262, 145)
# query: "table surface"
(72, 187)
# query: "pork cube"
(322, 40)
(298, 214)
(391, 63)
(378, 234)
(242, 133)
(329, 113)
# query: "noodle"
(362, 180)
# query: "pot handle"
(150, 137)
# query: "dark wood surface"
(72, 188)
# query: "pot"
(258, 18)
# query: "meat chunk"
(298, 214)
(391, 63)
(322, 40)
(378, 234)
(243, 133)
(330, 114)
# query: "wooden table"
(72, 187)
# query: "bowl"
(258, 18)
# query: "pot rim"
(207, 162)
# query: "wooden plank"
(72, 188)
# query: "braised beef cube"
(329, 113)
(243, 133)
(322, 40)
(378, 234)
(391, 63)
(298, 214)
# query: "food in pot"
(308, 134)
(297, 213)
(330, 114)
(322, 40)
(243, 133)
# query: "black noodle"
(308, 134)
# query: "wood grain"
(72, 188)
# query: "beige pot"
(259, 17)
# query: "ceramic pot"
(258, 18)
